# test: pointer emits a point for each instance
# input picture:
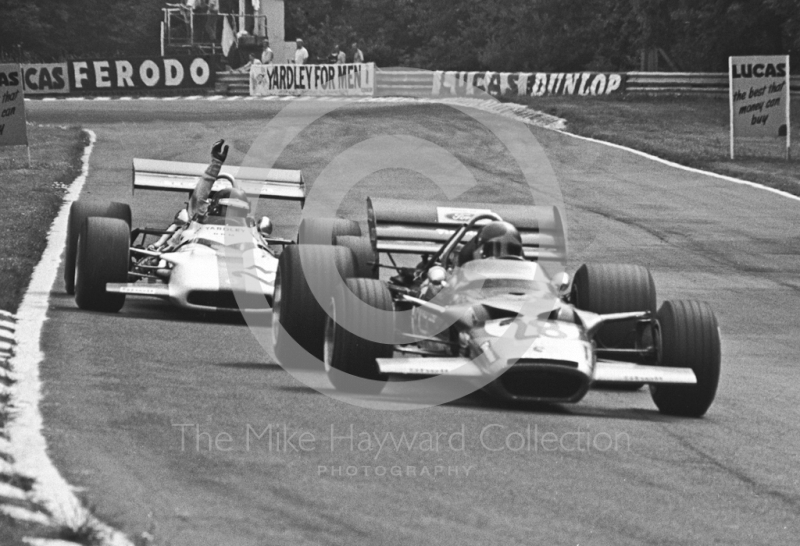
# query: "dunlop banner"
(534, 84)
(13, 130)
(759, 97)
(45, 78)
(313, 79)
(140, 74)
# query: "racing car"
(497, 309)
(211, 263)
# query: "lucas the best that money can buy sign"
(13, 131)
(759, 97)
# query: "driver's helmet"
(229, 203)
(499, 240)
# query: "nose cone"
(537, 360)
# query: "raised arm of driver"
(199, 201)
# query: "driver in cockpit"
(495, 240)
(229, 206)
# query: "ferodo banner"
(45, 78)
(759, 97)
(13, 130)
(313, 79)
(140, 73)
(535, 84)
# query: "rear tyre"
(323, 231)
(615, 288)
(345, 350)
(689, 339)
(78, 212)
(365, 255)
(298, 318)
(103, 256)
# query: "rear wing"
(408, 227)
(153, 174)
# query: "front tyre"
(349, 358)
(615, 288)
(689, 339)
(79, 211)
(298, 318)
(103, 256)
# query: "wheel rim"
(75, 282)
(276, 308)
(330, 332)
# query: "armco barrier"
(233, 83)
(685, 82)
(412, 83)
(404, 83)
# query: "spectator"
(301, 55)
(358, 56)
(334, 54)
(341, 56)
(267, 55)
(252, 60)
(211, 20)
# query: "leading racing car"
(487, 302)
(218, 258)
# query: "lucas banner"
(759, 96)
(140, 74)
(47, 78)
(531, 84)
(313, 79)
(13, 130)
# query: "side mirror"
(265, 226)
(436, 275)
(561, 282)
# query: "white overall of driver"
(197, 207)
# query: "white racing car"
(222, 261)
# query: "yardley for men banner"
(45, 78)
(140, 74)
(312, 79)
(535, 84)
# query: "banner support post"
(730, 101)
(788, 111)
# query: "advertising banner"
(140, 74)
(759, 97)
(313, 79)
(13, 130)
(532, 84)
(45, 78)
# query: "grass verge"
(30, 199)
(690, 130)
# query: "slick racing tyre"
(615, 288)
(78, 212)
(103, 256)
(323, 231)
(365, 255)
(689, 339)
(298, 319)
(349, 358)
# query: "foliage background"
(562, 35)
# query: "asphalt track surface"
(116, 386)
